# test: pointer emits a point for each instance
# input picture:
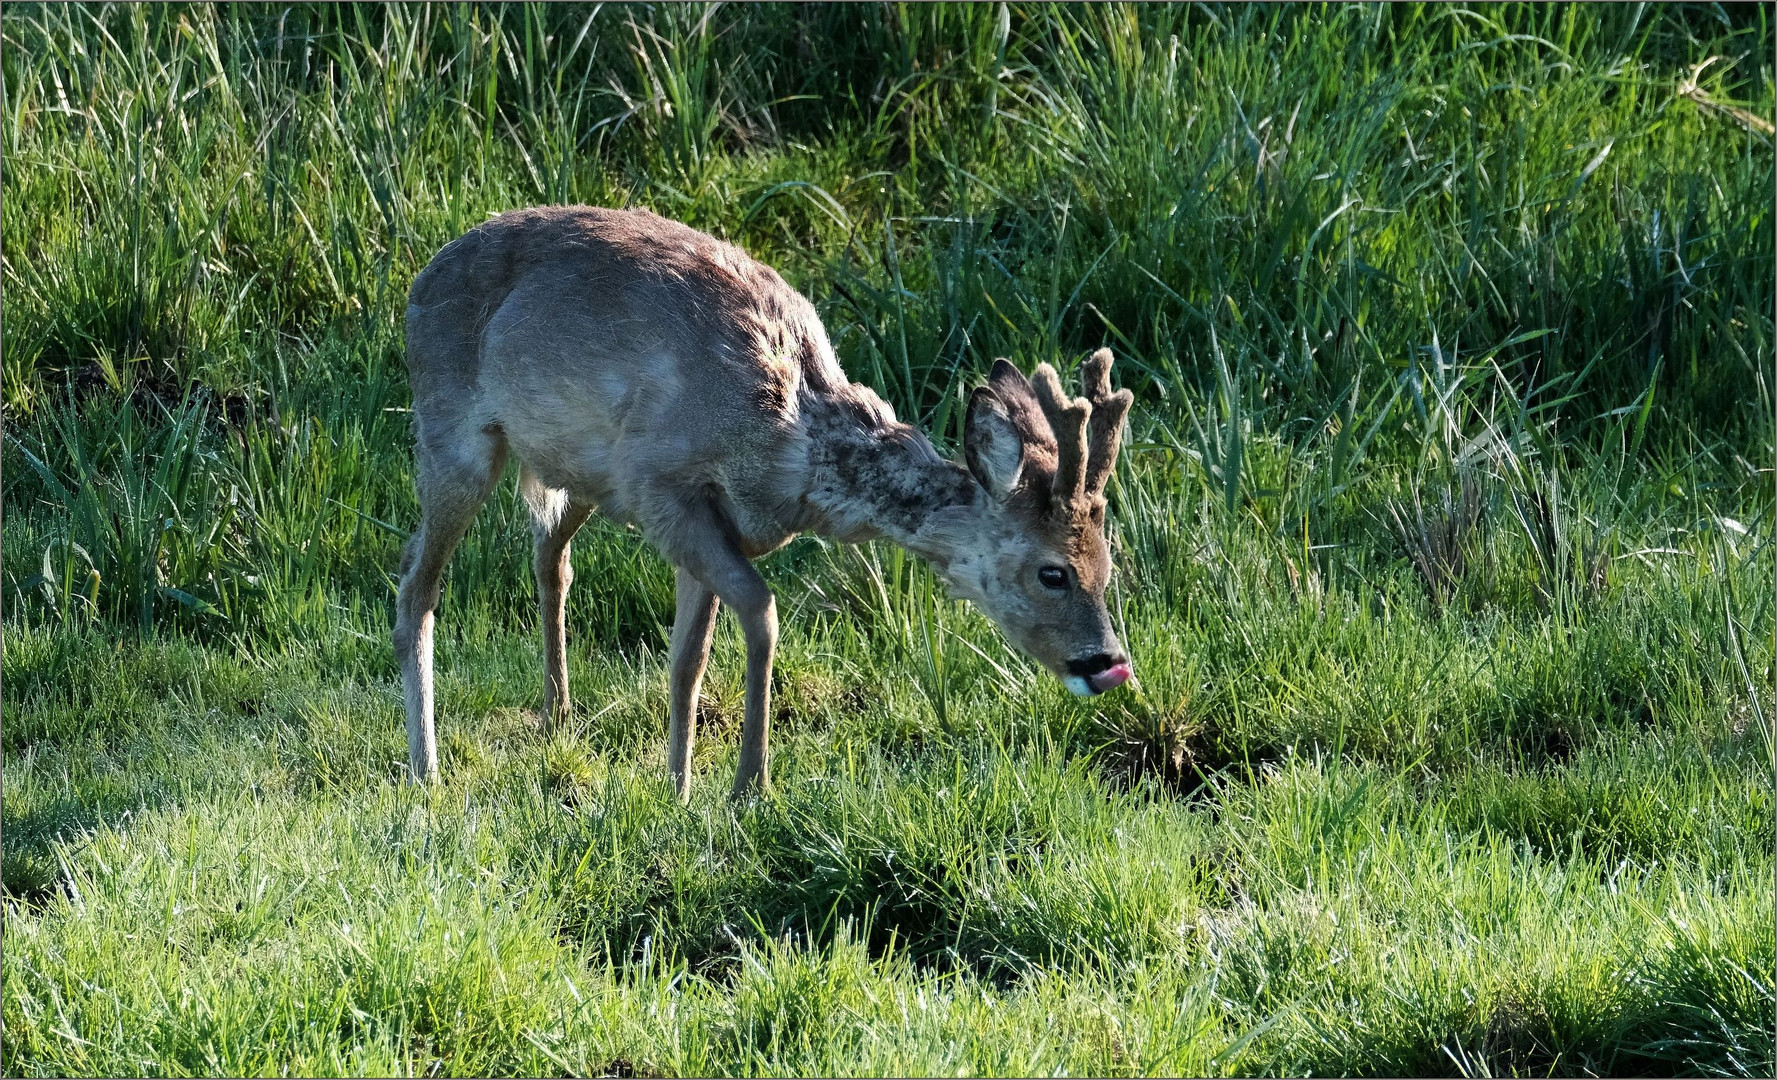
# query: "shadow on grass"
(32, 871)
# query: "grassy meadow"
(1443, 532)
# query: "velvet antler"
(1086, 430)
(1108, 413)
(1068, 419)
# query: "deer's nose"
(1097, 673)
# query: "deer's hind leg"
(555, 518)
(453, 481)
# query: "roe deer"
(637, 366)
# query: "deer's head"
(1033, 557)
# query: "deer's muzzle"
(1096, 674)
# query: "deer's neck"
(872, 476)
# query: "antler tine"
(1095, 374)
(1108, 412)
(1068, 419)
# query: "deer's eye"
(1052, 577)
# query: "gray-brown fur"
(636, 366)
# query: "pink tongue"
(1110, 678)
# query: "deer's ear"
(991, 444)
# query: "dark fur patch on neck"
(880, 473)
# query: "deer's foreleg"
(699, 542)
(755, 753)
(693, 627)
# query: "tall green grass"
(1443, 535)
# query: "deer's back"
(618, 352)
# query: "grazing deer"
(662, 376)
